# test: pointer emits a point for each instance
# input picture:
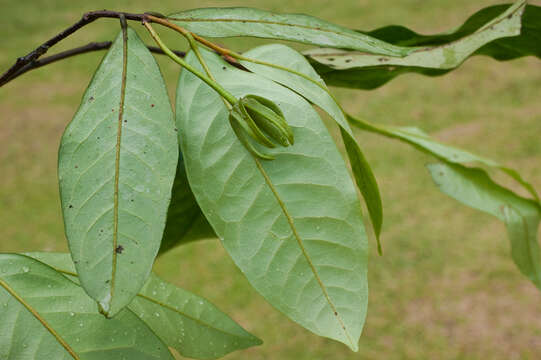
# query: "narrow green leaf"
(317, 93)
(474, 188)
(185, 221)
(499, 37)
(422, 141)
(43, 315)
(500, 49)
(292, 225)
(242, 21)
(186, 322)
(116, 169)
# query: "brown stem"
(90, 47)
(43, 48)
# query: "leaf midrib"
(117, 160)
(52, 331)
(356, 36)
(303, 249)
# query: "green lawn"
(446, 287)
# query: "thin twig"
(90, 47)
(43, 48)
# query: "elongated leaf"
(500, 49)
(43, 315)
(182, 320)
(474, 188)
(292, 225)
(499, 37)
(116, 169)
(242, 21)
(185, 221)
(422, 141)
(284, 56)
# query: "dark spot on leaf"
(151, 105)
(224, 68)
(348, 60)
(335, 313)
(76, 262)
(330, 59)
(70, 206)
(107, 281)
(91, 98)
(125, 121)
(98, 137)
(509, 16)
(101, 230)
(119, 249)
(113, 110)
(176, 129)
(382, 59)
(76, 166)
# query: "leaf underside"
(46, 316)
(116, 169)
(502, 32)
(521, 216)
(242, 21)
(183, 321)
(282, 55)
(292, 225)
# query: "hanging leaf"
(317, 93)
(422, 141)
(46, 316)
(242, 21)
(474, 188)
(496, 33)
(117, 163)
(183, 321)
(292, 225)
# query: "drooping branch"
(32, 60)
(90, 47)
(43, 48)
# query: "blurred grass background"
(446, 287)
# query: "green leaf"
(316, 92)
(474, 188)
(500, 49)
(292, 225)
(422, 141)
(186, 322)
(495, 32)
(185, 221)
(46, 316)
(116, 169)
(242, 21)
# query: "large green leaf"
(185, 221)
(292, 225)
(316, 92)
(43, 315)
(116, 169)
(494, 32)
(474, 188)
(183, 321)
(242, 21)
